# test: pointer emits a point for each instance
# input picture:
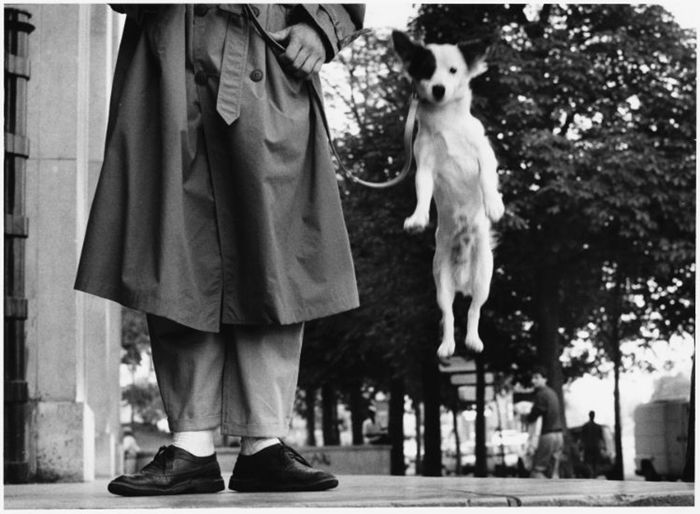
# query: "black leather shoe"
(278, 468)
(172, 471)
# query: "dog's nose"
(438, 92)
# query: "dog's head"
(442, 73)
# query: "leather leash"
(408, 128)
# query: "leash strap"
(316, 97)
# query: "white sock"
(251, 445)
(199, 443)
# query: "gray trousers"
(242, 378)
(545, 462)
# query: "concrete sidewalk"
(374, 491)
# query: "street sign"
(467, 393)
(457, 364)
(459, 379)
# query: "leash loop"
(277, 48)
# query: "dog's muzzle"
(438, 92)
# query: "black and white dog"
(457, 166)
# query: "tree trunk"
(329, 402)
(689, 469)
(618, 468)
(432, 458)
(458, 445)
(548, 330)
(398, 464)
(132, 411)
(357, 412)
(310, 400)
(480, 429)
(419, 437)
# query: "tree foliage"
(135, 339)
(591, 109)
(144, 398)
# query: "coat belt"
(228, 98)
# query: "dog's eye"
(453, 70)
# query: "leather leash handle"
(408, 128)
(408, 151)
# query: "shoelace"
(159, 460)
(294, 454)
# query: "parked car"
(661, 439)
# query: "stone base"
(64, 442)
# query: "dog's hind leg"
(482, 269)
(444, 284)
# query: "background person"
(131, 450)
(545, 461)
(372, 431)
(593, 443)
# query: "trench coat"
(217, 200)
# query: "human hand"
(304, 53)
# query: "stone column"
(73, 341)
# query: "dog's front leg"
(488, 180)
(418, 221)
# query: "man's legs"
(557, 450)
(260, 379)
(545, 462)
(189, 367)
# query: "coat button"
(200, 9)
(256, 11)
(200, 77)
(256, 75)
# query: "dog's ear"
(403, 46)
(474, 52)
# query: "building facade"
(72, 344)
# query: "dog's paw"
(494, 207)
(446, 349)
(415, 223)
(474, 344)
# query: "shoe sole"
(257, 486)
(192, 486)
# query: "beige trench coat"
(217, 201)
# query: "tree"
(144, 399)
(590, 109)
(135, 339)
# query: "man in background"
(593, 444)
(545, 462)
